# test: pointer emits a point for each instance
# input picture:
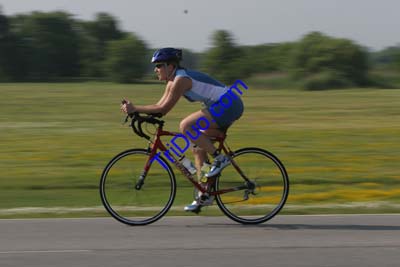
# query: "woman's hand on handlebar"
(127, 107)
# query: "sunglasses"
(160, 65)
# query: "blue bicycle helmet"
(166, 55)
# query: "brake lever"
(131, 115)
(126, 120)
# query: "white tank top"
(204, 88)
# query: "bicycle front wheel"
(266, 193)
(124, 201)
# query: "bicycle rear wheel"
(137, 206)
(271, 187)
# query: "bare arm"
(162, 99)
(171, 96)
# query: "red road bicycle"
(138, 190)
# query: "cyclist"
(199, 87)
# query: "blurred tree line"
(54, 46)
(47, 46)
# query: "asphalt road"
(356, 240)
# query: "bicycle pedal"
(197, 211)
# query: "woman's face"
(161, 70)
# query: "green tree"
(126, 59)
(396, 62)
(190, 59)
(267, 58)
(12, 63)
(4, 34)
(94, 37)
(48, 43)
(90, 61)
(324, 62)
(388, 58)
(223, 60)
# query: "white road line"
(44, 251)
(63, 210)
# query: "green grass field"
(341, 147)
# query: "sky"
(160, 23)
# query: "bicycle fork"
(140, 181)
(142, 176)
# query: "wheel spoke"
(267, 191)
(131, 204)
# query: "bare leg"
(200, 156)
(193, 121)
(201, 140)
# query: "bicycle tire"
(271, 186)
(133, 206)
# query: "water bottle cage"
(182, 168)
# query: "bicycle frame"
(257, 162)
(157, 145)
